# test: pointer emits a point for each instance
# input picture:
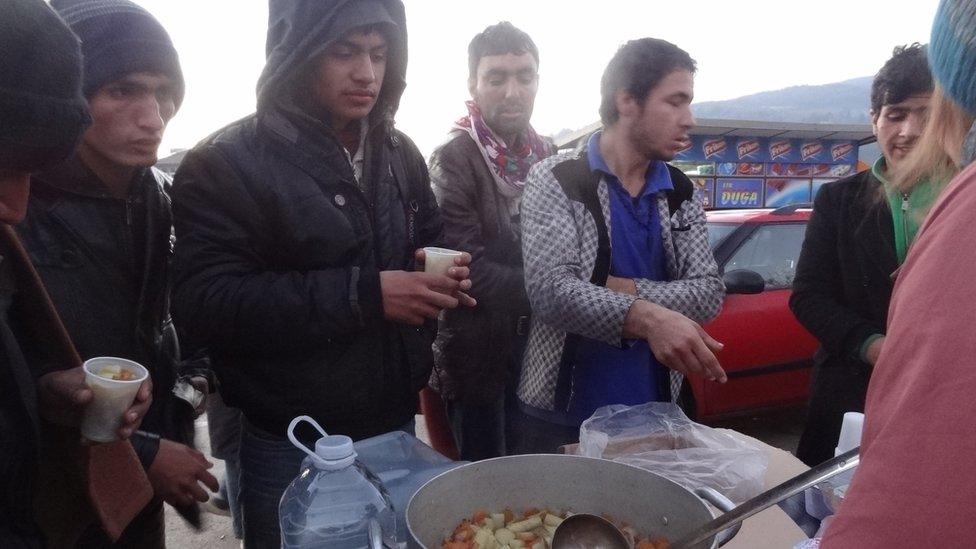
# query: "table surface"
(772, 528)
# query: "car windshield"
(718, 232)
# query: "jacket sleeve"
(698, 290)
(146, 446)
(817, 299)
(227, 296)
(559, 290)
(493, 283)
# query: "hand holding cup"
(115, 384)
(450, 263)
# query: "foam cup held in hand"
(114, 383)
(439, 260)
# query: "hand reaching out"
(176, 472)
(676, 341)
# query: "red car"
(767, 355)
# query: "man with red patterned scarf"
(478, 175)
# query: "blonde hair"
(930, 160)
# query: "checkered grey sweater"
(559, 246)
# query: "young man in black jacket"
(297, 235)
(43, 113)
(99, 229)
(857, 237)
(478, 175)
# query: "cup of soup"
(115, 383)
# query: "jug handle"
(298, 444)
(375, 535)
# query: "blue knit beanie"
(952, 51)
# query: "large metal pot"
(654, 505)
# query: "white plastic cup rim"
(140, 370)
(430, 250)
(439, 260)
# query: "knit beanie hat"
(42, 109)
(119, 37)
(952, 51)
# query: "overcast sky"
(742, 47)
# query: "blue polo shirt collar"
(656, 179)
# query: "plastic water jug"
(335, 502)
(403, 464)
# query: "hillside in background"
(844, 102)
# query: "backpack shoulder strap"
(683, 190)
(581, 184)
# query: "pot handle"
(723, 504)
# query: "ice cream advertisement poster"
(738, 193)
(751, 150)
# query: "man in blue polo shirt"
(638, 253)
(617, 264)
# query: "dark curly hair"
(904, 75)
(637, 67)
(499, 39)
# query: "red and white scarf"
(508, 165)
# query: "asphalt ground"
(778, 428)
(216, 531)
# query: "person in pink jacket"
(916, 481)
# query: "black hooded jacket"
(279, 249)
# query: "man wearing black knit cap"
(42, 114)
(98, 227)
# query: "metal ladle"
(585, 531)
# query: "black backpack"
(580, 184)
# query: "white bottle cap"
(334, 447)
(334, 452)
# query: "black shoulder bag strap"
(581, 185)
(683, 190)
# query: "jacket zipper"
(128, 213)
(904, 219)
(127, 237)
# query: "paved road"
(780, 429)
(216, 532)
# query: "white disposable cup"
(850, 432)
(439, 260)
(103, 415)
